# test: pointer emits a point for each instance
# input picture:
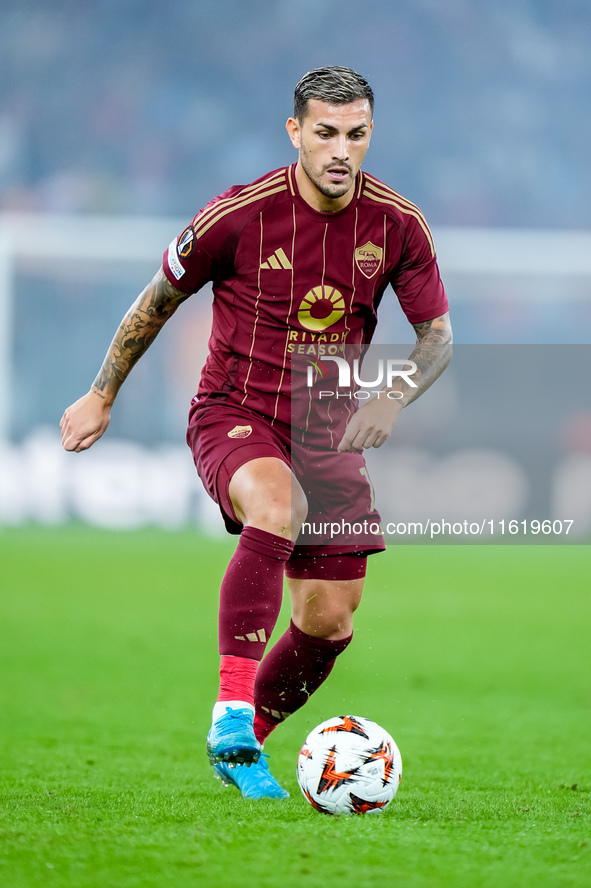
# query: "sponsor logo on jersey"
(240, 431)
(185, 243)
(368, 259)
(277, 260)
(319, 344)
(173, 262)
(321, 308)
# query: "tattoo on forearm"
(431, 354)
(137, 332)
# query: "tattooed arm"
(85, 421)
(431, 354)
(372, 425)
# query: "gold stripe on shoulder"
(207, 223)
(290, 179)
(360, 186)
(395, 200)
(385, 191)
(219, 205)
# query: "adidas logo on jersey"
(277, 260)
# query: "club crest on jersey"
(240, 431)
(321, 308)
(185, 243)
(368, 259)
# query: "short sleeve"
(186, 267)
(203, 252)
(416, 279)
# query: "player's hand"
(371, 425)
(84, 422)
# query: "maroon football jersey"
(289, 281)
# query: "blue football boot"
(254, 782)
(231, 738)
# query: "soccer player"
(299, 261)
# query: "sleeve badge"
(186, 243)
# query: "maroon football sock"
(251, 592)
(293, 669)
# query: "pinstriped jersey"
(291, 281)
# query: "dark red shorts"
(341, 521)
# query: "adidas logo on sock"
(277, 260)
(280, 716)
(259, 635)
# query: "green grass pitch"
(475, 659)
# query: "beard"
(332, 190)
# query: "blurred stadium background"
(118, 121)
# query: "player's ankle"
(263, 727)
(237, 678)
(221, 707)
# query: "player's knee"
(287, 510)
(298, 507)
(279, 514)
(326, 608)
(337, 622)
(265, 494)
(331, 626)
(287, 515)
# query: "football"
(349, 765)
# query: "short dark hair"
(333, 84)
